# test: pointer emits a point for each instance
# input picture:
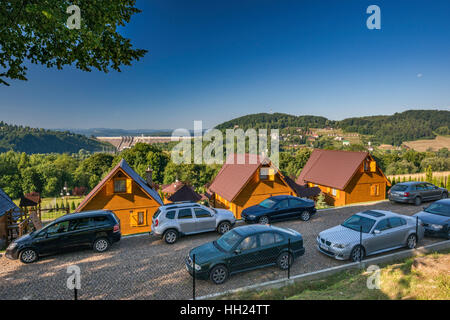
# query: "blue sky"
(214, 60)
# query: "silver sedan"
(370, 232)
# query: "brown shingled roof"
(232, 177)
(331, 168)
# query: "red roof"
(235, 173)
(331, 168)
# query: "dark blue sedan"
(436, 219)
(279, 208)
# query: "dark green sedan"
(245, 248)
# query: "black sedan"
(279, 208)
(436, 219)
(245, 248)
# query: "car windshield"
(228, 240)
(355, 222)
(268, 203)
(399, 187)
(439, 208)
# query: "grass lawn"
(423, 277)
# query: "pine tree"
(72, 206)
(429, 174)
(448, 182)
(321, 201)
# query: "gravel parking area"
(144, 267)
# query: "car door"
(245, 255)
(399, 229)
(281, 210)
(269, 248)
(206, 220)
(54, 238)
(422, 191)
(187, 221)
(81, 232)
(381, 238)
(296, 207)
(434, 192)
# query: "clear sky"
(214, 60)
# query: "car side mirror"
(376, 231)
(237, 251)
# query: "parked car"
(416, 192)
(245, 248)
(183, 218)
(278, 208)
(381, 231)
(436, 219)
(97, 229)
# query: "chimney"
(149, 176)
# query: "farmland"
(429, 144)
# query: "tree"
(429, 174)
(36, 31)
(321, 201)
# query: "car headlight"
(339, 245)
(12, 245)
(197, 267)
(437, 226)
(251, 216)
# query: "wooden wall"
(123, 205)
(3, 228)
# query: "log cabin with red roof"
(129, 196)
(245, 180)
(344, 177)
(180, 191)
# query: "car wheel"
(418, 201)
(224, 227)
(357, 253)
(444, 195)
(284, 260)
(411, 242)
(305, 216)
(28, 256)
(219, 274)
(171, 236)
(263, 220)
(101, 245)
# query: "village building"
(9, 211)
(241, 185)
(180, 191)
(129, 196)
(344, 177)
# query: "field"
(419, 176)
(423, 145)
(423, 278)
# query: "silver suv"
(182, 218)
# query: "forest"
(48, 173)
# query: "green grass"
(423, 277)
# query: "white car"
(183, 218)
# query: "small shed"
(180, 191)
(128, 195)
(8, 210)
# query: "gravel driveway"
(144, 267)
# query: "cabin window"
(375, 190)
(334, 192)
(120, 186)
(267, 173)
(366, 165)
(141, 218)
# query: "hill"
(34, 140)
(388, 129)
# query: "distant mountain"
(389, 129)
(34, 140)
(109, 132)
(275, 121)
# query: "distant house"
(238, 186)
(129, 196)
(179, 191)
(345, 143)
(344, 177)
(7, 207)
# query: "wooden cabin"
(246, 180)
(129, 196)
(344, 177)
(8, 211)
(179, 191)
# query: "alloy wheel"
(412, 241)
(28, 256)
(101, 245)
(224, 228)
(219, 275)
(357, 254)
(305, 216)
(171, 237)
(285, 261)
(264, 220)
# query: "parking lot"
(144, 267)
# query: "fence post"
(360, 244)
(417, 230)
(75, 290)
(289, 258)
(193, 278)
